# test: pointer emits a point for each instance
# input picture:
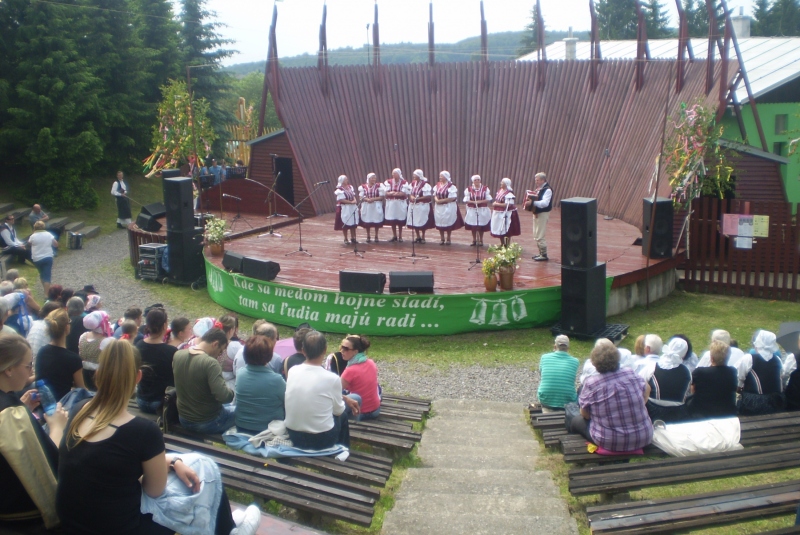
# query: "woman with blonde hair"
(58, 366)
(109, 457)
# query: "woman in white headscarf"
(346, 209)
(396, 204)
(669, 382)
(91, 343)
(760, 372)
(419, 209)
(505, 220)
(479, 216)
(446, 214)
(372, 195)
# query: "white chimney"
(741, 24)
(570, 46)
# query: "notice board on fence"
(743, 228)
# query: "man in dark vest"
(540, 203)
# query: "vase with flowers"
(489, 268)
(505, 259)
(214, 235)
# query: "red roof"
(599, 144)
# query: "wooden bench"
(782, 531)
(617, 478)
(669, 515)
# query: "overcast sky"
(400, 21)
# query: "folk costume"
(420, 216)
(505, 220)
(372, 198)
(447, 216)
(479, 215)
(396, 209)
(346, 209)
(120, 191)
(541, 202)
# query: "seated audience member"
(58, 366)
(39, 461)
(130, 332)
(180, 330)
(54, 294)
(557, 371)
(11, 276)
(760, 372)
(652, 351)
(335, 363)
(36, 215)
(261, 328)
(38, 336)
(201, 326)
(133, 314)
(638, 346)
(792, 391)
(669, 382)
(360, 376)
(156, 363)
(19, 317)
(316, 418)
(93, 303)
(66, 295)
(259, 390)
(691, 359)
(202, 392)
(76, 329)
(612, 404)
(4, 329)
(92, 342)
(626, 360)
(109, 457)
(714, 387)
(88, 290)
(230, 326)
(734, 354)
(9, 243)
(298, 357)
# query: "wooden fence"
(769, 270)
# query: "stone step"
(503, 417)
(478, 480)
(6, 207)
(527, 448)
(487, 461)
(459, 504)
(479, 406)
(91, 231)
(444, 433)
(74, 226)
(20, 213)
(57, 222)
(476, 524)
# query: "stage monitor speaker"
(180, 203)
(419, 282)
(170, 173)
(155, 209)
(256, 268)
(662, 228)
(362, 282)
(233, 261)
(579, 232)
(148, 223)
(185, 258)
(583, 299)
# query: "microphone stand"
(238, 215)
(414, 257)
(270, 202)
(300, 224)
(477, 261)
(270, 233)
(356, 251)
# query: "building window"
(777, 148)
(781, 123)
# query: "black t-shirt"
(156, 370)
(76, 329)
(15, 499)
(793, 391)
(292, 360)
(714, 391)
(56, 366)
(98, 482)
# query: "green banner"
(384, 314)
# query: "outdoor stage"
(307, 287)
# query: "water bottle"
(46, 397)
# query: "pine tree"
(529, 39)
(763, 25)
(785, 17)
(201, 45)
(158, 30)
(656, 20)
(696, 18)
(616, 19)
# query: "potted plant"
(489, 268)
(506, 258)
(215, 236)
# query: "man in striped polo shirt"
(558, 371)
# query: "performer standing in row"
(505, 220)
(540, 201)
(479, 216)
(445, 209)
(419, 209)
(372, 195)
(396, 204)
(120, 191)
(346, 209)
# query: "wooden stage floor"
(449, 263)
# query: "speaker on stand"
(185, 241)
(661, 233)
(579, 232)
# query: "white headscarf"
(202, 326)
(764, 343)
(342, 178)
(418, 173)
(474, 177)
(672, 354)
(446, 175)
(371, 175)
(97, 322)
(398, 171)
(507, 183)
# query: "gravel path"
(101, 262)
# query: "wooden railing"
(769, 270)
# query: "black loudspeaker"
(233, 261)
(662, 228)
(579, 232)
(583, 299)
(156, 209)
(420, 282)
(148, 223)
(256, 268)
(186, 254)
(362, 282)
(170, 173)
(180, 203)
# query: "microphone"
(274, 155)
(225, 195)
(323, 182)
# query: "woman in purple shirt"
(612, 404)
